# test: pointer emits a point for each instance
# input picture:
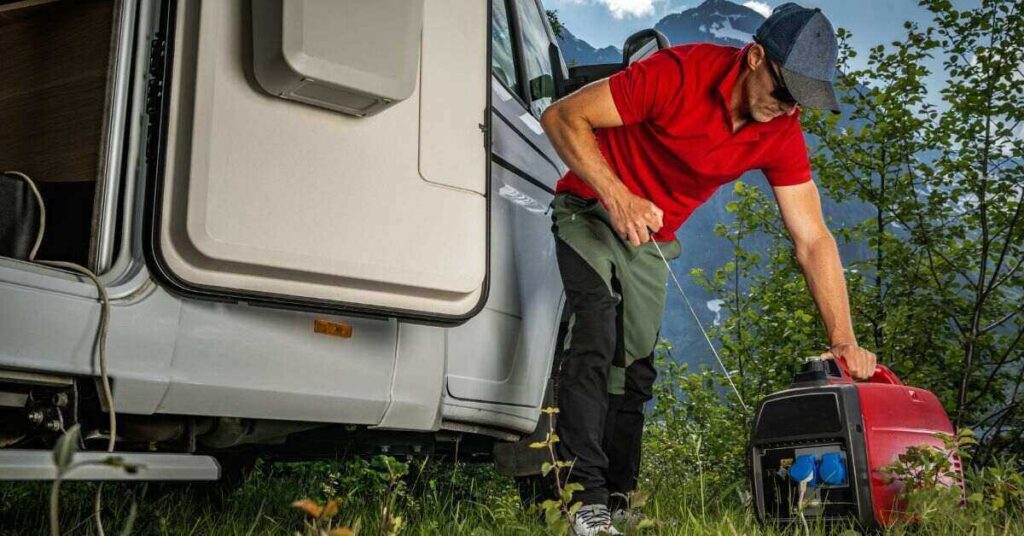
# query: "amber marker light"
(328, 327)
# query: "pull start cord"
(701, 326)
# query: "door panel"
(503, 354)
(275, 201)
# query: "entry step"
(18, 464)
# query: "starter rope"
(701, 326)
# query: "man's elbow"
(553, 118)
(810, 247)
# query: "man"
(645, 148)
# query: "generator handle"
(882, 374)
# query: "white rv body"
(247, 212)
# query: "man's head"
(762, 89)
(792, 62)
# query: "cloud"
(621, 9)
(759, 7)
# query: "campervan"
(316, 226)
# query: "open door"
(274, 199)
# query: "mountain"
(579, 52)
(714, 21)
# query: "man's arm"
(818, 256)
(569, 124)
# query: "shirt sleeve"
(647, 88)
(787, 161)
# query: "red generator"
(833, 434)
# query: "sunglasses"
(780, 92)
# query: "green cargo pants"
(635, 276)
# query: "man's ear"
(755, 56)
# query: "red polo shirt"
(676, 146)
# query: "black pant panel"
(624, 428)
(583, 379)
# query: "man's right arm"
(569, 124)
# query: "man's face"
(763, 88)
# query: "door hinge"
(155, 91)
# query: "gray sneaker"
(593, 520)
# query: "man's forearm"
(574, 141)
(823, 272)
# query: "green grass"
(439, 498)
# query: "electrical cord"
(42, 211)
(679, 286)
(108, 396)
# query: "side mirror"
(642, 44)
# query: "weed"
(558, 513)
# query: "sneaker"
(593, 520)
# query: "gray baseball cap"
(803, 43)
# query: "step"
(18, 464)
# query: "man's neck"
(739, 114)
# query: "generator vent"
(799, 415)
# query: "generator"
(820, 444)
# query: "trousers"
(615, 294)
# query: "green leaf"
(552, 515)
(568, 490)
(546, 468)
(66, 447)
(638, 499)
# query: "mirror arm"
(561, 73)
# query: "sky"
(609, 22)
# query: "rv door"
(271, 186)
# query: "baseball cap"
(803, 43)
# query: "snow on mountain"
(714, 21)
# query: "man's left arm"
(818, 256)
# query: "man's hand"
(633, 217)
(859, 361)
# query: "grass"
(437, 498)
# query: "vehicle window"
(503, 65)
(536, 56)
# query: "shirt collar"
(728, 82)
